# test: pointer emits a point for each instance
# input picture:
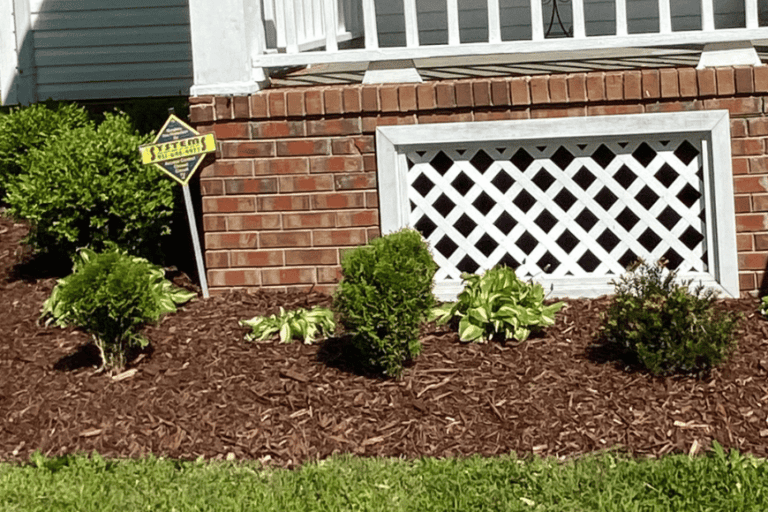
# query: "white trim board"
(712, 128)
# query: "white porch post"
(21, 64)
(8, 55)
(226, 35)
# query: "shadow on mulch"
(84, 357)
(34, 267)
(605, 352)
(88, 356)
(340, 353)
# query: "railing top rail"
(567, 45)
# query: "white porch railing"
(281, 33)
(295, 26)
(655, 29)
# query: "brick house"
(614, 91)
(563, 137)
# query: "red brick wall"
(294, 180)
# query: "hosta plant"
(497, 304)
(305, 324)
(111, 295)
(666, 326)
(764, 306)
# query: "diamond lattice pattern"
(564, 209)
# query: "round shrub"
(384, 296)
(666, 327)
(87, 187)
(111, 295)
(27, 128)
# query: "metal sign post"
(178, 150)
(195, 241)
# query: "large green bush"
(664, 325)
(87, 187)
(110, 296)
(27, 128)
(384, 296)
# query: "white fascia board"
(227, 89)
(555, 128)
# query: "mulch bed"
(204, 391)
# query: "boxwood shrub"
(666, 326)
(384, 296)
(27, 128)
(87, 186)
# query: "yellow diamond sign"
(178, 149)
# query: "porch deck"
(456, 68)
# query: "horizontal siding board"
(113, 55)
(113, 18)
(102, 90)
(92, 49)
(88, 5)
(112, 36)
(113, 73)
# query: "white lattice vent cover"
(569, 211)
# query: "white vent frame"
(712, 127)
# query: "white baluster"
(578, 19)
(319, 18)
(452, 12)
(302, 30)
(291, 41)
(665, 17)
(494, 22)
(411, 24)
(369, 22)
(750, 11)
(621, 18)
(279, 21)
(537, 20)
(331, 26)
(707, 15)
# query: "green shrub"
(87, 187)
(666, 327)
(300, 323)
(110, 296)
(498, 304)
(384, 295)
(27, 128)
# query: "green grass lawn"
(716, 481)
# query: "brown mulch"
(203, 391)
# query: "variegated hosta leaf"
(306, 325)
(469, 331)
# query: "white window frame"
(713, 128)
